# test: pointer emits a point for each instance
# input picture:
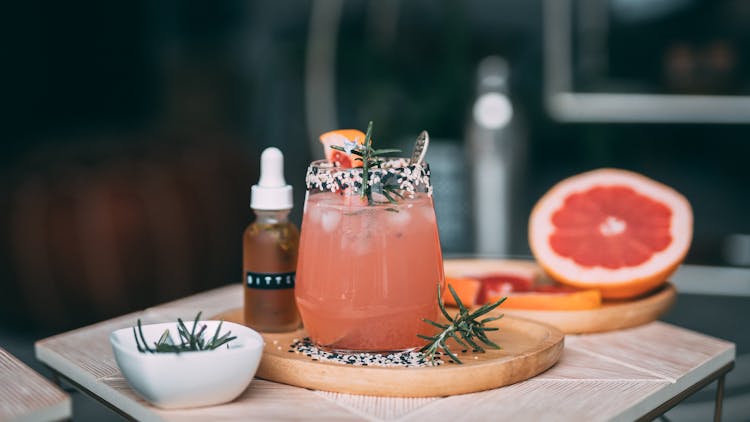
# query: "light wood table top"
(620, 375)
(27, 396)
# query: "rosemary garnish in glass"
(462, 328)
(190, 340)
(371, 158)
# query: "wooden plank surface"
(618, 375)
(662, 349)
(263, 400)
(26, 395)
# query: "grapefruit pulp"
(613, 230)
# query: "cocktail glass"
(369, 266)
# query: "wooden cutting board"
(612, 315)
(529, 348)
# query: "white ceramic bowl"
(189, 379)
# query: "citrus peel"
(344, 138)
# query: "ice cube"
(379, 197)
(428, 213)
(400, 217)
(330, 220)
(361, 245)
(357, 243)
(313, 212)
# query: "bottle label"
(270, 281)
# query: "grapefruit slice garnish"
(522, 293)
(612, 230)
(343, 138)
(503, 284)
(553, 301)
(466, 288)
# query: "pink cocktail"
(368, 271)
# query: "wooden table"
(27, 396)
(623, 375)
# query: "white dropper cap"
(271, 192)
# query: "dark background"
(132, 129)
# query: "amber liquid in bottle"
(269, 262)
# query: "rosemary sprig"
(190, 340)
(463, 328)
(366, 163)
(371, 158)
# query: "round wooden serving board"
(529, 348)
(612, 315)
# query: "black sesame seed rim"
(401, 173)
(408, 359)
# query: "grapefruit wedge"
(552, 300)
(341, 138)
(612, 230)
(521, 292)
(466, 288)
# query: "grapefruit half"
(613, 230)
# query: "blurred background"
(133, 131)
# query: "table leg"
(59, 377)
(58, 382)
(719, 397)
(56, 377)
(717, 375)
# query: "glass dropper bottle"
(269, 252)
